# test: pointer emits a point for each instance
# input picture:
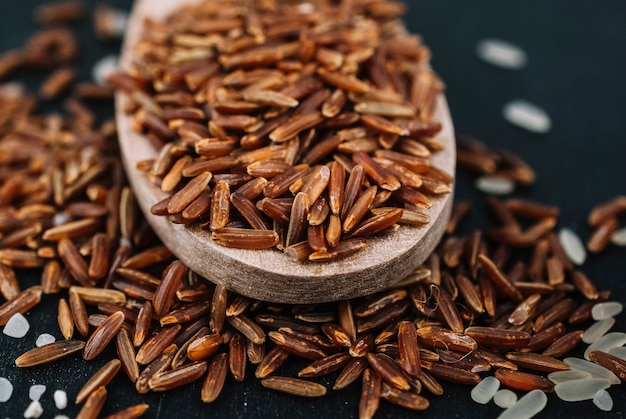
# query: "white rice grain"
(501, 53)
(605, 310)
(35, 391)
(60, 399)
(527, 406)
(17, 326)
(45, 339)
(598, 329)
(505, 398)
(105, 66)
(619, 237)
(528, 116)
(568, 375)
(577, 390)
(495, 185)
(484, 391)
(602, 399)
(572, 246)
(34, 410)
(6, 390)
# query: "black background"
(576, 72)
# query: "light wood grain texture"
(268, 274)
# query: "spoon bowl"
(268, 274)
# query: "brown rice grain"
(215, 378)
(100, 378)
(103, 334)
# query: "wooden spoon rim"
(268, 274)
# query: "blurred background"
(575, 71)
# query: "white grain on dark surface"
(527, 406)
(484, 391)
(527, 116)
(605, 310)
(573, 246)
(602, 399)
(36, 391)
(501, 53)
(505, 398)
(17, 326)
(578, 390)
(6, 390)
(495, 185)
(598, 329)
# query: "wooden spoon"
(268, 274)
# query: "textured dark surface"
(575, 72)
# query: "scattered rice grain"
(17, 326)
(526, 115)
(484, 391)
(603, 401)
(60, 399)
(35, 391)
(504, 398)
(527, 406)
(573, 246)
(495, 185)
(605, 310)
(44, 339)
(6, 390)
(577, 390)
(618, 238)
(569, 375)
(598, 329)
(103, 68)
(34, 410)
(501, 53)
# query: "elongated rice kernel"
(17, 326)
(35, 391)
(495, 185)
(569, 375)
(605, 310)
(603, 401)
(596, 371)
(526, 115)
(577, 390)
(598, 329)
(618, 238)
(504, 398)
(573, 246)
(6, 390)
(527, 406)
(501, 53)
(484, 391)
(606, 343)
